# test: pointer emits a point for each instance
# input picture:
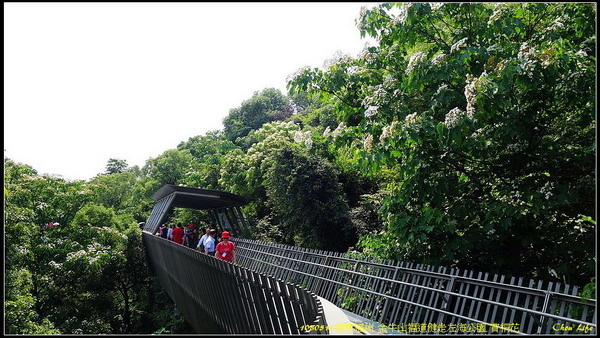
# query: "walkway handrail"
(447, 295)
(217, 296)
(331, 255)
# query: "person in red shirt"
(226, 249)
(178, 234)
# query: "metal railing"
(414, 298)
(216, 296)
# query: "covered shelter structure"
(224, 207)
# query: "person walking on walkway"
(200, 246)
(209, 243)
(188, 237)
(163, 231)
(226, 249)
(170, 232)
(178, 234)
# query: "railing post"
(447, 299)
(391, 287)
(544, 310)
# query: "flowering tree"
(296, 196)
(485, 114)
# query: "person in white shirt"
(200, 245)
(209, 243)
(170, 233)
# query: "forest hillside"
(465, 137)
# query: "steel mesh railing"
(216, 296)
(414, 298)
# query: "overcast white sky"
(85, 82)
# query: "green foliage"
(171, 167)
(115, 166)
(209, 150)
(20, 316)
(86, 275)
(464, 137)
(94, 215)
(589, 290)
(483, 118)
(265, 106)
(40, 199)
(297, 197)
(112, 191)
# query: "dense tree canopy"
(465, 137)
(265, 106)
(486, 113)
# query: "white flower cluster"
(581, 54)
(516, 195)
(438, 59)
(388, 130)
(495, 15)
(526, 51)
(558, 24)
(40, 205)
(390, 81)
(368, 142)
(352, 70)
(547, 189)
(76, 255)
(527, 56)
(458, 44)
(366, 55)
(300, 137)
(97, 248)
(338, 57)
(414, 60)
(379, 92)
(436, 5)
(327, 132)
(453, 117)
(411, 118)
(441, 89)
(55, 265)
(471, 93)
(339, 130)
(371, 111)
(114, 231)
(478, 133)
(403, 13)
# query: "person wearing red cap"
(226, 249)
(189, 235)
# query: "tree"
(115, 166)
(484, 115)
(209, 151)
(265, 106)
(296, 196)
(171, 167)
(112, 190)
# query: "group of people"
(208, 243)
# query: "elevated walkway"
(279, 289)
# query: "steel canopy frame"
(174, 196)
